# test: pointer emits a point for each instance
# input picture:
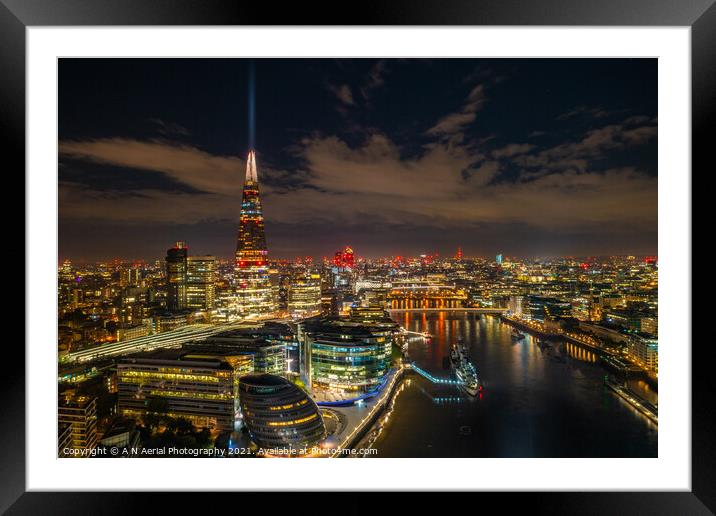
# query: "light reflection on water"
(538, 402)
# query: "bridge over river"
(494, 311)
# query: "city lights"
(433, 288)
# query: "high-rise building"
(200, 282)
(66, 272)
(518, 306)
(130, 277)
(344, 259)
(254, 290)
(176, 276)
(498, 259)
(304, 294)
(64, 439)
(80, 412)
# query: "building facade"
(644, 351)
(304, 295)
(201, 272)
(200, 386)
(345, 356)
(80, 413)
(268, 351)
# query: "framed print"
(437, 240)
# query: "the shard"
(253, 285)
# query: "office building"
(198, 385)
(644, 351)
(176, 263)
(304, 294)
(200, 282)
(80, 412)
(64, 439)
(266, 344)
(344, 356)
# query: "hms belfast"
(254, 292)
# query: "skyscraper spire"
(253, 286)
(251, 174)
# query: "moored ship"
(464, 370)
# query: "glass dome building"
(278, 414)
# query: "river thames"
(537, 402)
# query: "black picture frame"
(700, 15)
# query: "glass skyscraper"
(253, 284)
(176, 276)
(200, 282)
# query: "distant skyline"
(524, 157)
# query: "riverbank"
(608, 360)
(363, 416)
(533, 406)
(636, 401)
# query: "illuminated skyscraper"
(344, 259)
(80, 412)
(200, 282)
(304, 294)
(176, 276)
(253, 284)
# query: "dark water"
(534, 404)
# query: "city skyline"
(360, 172)
(194, 358)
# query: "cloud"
(595, 144)
(447, 185)
(343, 93)
(455, 123)
(359, 185)
(184, 163)
(375, 79)
(591, 112)
(513, 149)
(169, 128)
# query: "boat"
(464, 370)
(517, 335)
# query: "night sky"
(524, 157)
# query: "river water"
(536, 402)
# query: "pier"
(636, 401)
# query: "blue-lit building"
(344, 355)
